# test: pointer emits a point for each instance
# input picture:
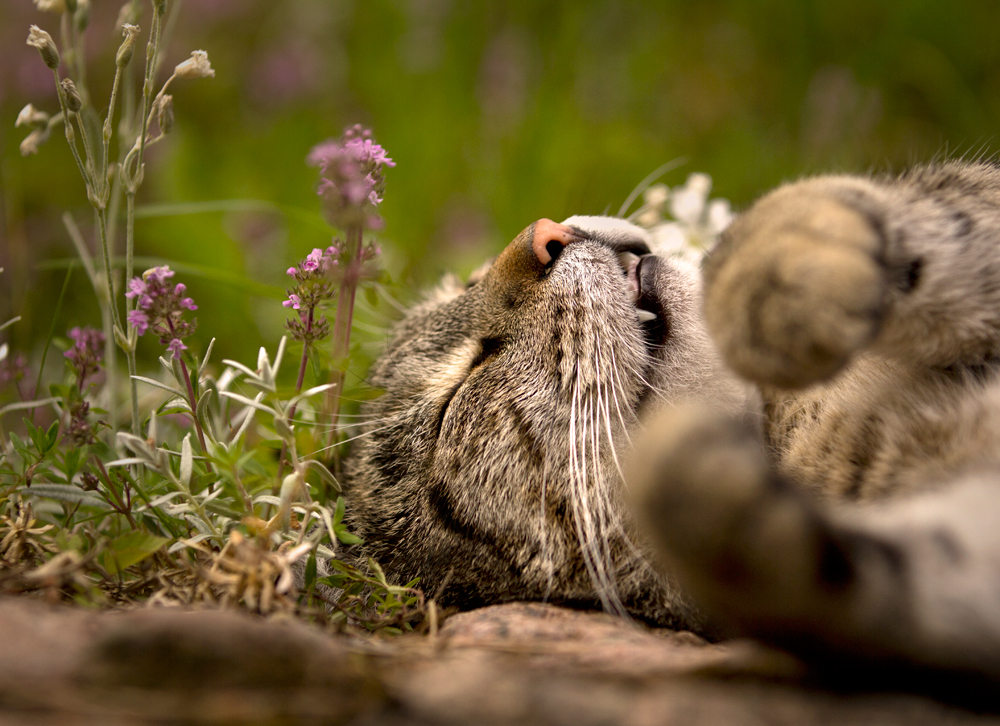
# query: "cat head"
(491, 468)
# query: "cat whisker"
(381, 290)
(353, 438)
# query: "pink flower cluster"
(352, 177)
(313, 275)
(316, 279)
(160, 308)
(86, 353)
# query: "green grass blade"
(52, 331)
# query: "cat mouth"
(640, 275)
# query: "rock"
(520, 663)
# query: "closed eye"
(490, 348)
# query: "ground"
(521, 663)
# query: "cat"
(800, 442)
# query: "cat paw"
(745, 544)
(795, 288)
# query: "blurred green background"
(497, 113)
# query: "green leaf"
(23, 405)
(343, 567)
(379, 573)
(66, 493)
(310, 573)
(204, 359)
(346, 537)
(201, 410)
(338, 515)
(19, 445)
(170, 389)
(59, 390)
(36, 435)
(51, 436)
(371, 296)
(187, 462)
(325, 475)
(130, 549)
(217, 507)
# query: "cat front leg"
(913, 584)
(822, 268)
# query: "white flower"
(31, 116)
(697, 222)
(720, 214)
(197, 66)
(51, 6)
(654, 200)
(33, 140)
(688, 201)
(656, 196)
(668, 238)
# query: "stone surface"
(522, 663)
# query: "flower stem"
(298, 387)
(121, 507)
(135, 155)
(129, 306)
(342, 329)
(107, 129)
(247, 500)
(194, 410)
(71, 136)
(102, 217)
(305, 359)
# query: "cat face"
(492, 467)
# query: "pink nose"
(549, 233)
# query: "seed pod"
(38, 38)
(165, 113)
(127, 47)
(73, 101)
(82, 15)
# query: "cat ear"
(480, 272)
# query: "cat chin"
(685, 366)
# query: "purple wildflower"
(138, 320)
(86, 353)
(161, 307)
(136, 288)
(175, 346)
(313, 260)
(316, 284)
(157, 275)
(352, 180)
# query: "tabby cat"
(809, 427)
